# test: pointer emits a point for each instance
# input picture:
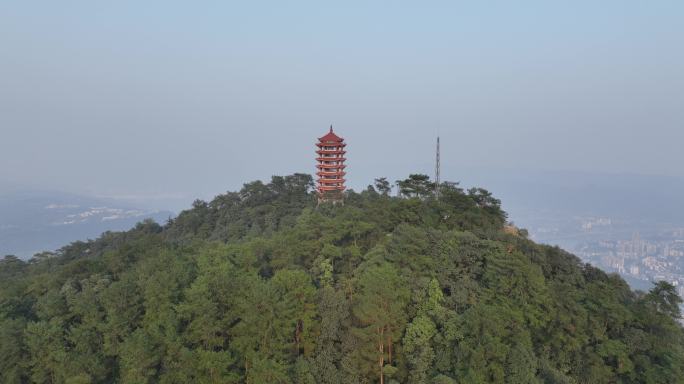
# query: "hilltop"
(264, 286)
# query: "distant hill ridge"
(265, 286)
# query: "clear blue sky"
(193, 98)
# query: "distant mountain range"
(33, 221)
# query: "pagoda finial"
(330, 128)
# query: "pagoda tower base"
(334, 197)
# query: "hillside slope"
(262, 286)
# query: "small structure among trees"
(330, 183)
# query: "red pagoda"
(330, 167)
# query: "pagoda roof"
(321, 173)
(330, 189)
(331, 144)
(331, 136)
(331, 166)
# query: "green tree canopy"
(262, 285)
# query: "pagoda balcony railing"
(334, 150)
(333, 173)
(331, 161)
(339, 156)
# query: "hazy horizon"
(166, 99)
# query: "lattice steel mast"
(437, 171)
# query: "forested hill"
(262, 286)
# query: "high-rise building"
(330, 165)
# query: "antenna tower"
(437, 170)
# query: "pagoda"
(330, 165)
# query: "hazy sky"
(194, 98)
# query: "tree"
(417, 185)
(214, 367)
(417, 339)
(334, 315)
(12, 351)
(46, 347)
(140, 358)
(297, 294)
(418, 348)
(262, 370)
(664, 298)
(383, 186)
(483, 198)
(380, 311)
(10, 266)
(521, 363)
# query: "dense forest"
(264, 286)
